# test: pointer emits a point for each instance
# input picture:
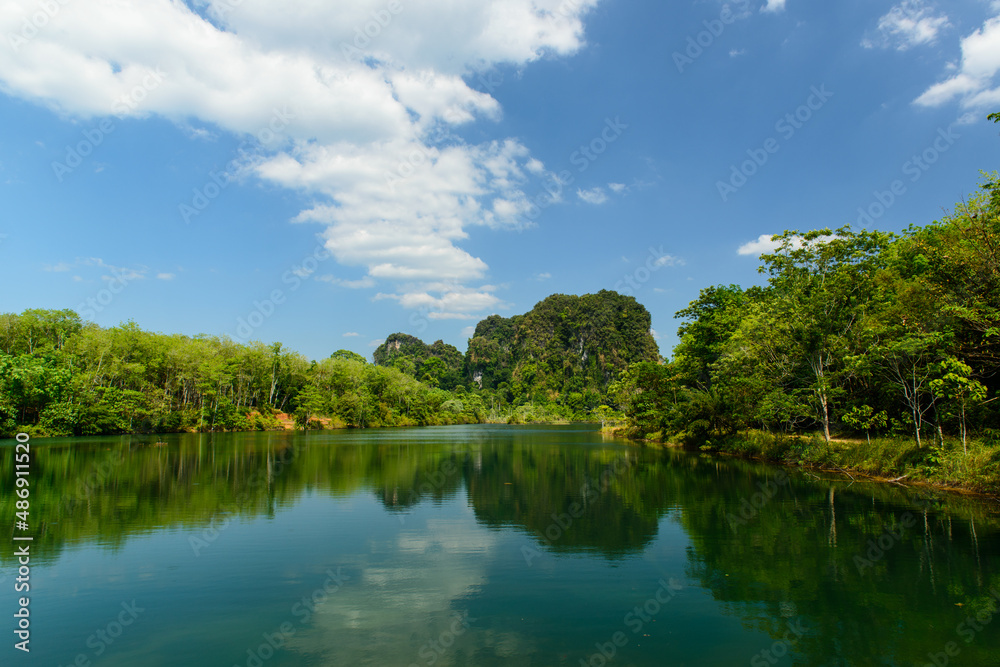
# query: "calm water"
(485, 545)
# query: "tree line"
(855, 333)
(60, 375)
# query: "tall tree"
(824, 282)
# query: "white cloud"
(402, 224)
(735, 53)
(910, 23)
(361, 283)
(593, 195)
(974, 80)
(617, 188)
(773, 6)
(58, 268)
(376, 342)
(201, 133)
(351, 334)
(165, 276)
(446, 300)
(302, 272)
(442, 35)
(535, 166)
(969, 118)
(762, 245)
(107, 271)
(542, 276)
(668, 260)
(361, 125)
(468, 331)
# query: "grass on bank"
(944, 463)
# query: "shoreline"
(881, 477)
(849, 471)
(290, 426)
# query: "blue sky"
(324, 174)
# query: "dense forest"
(857, 333)
(562, 355)
(62, 376)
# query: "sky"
(326, 173)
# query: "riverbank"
(973, 468)
(282, 421)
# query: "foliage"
(854, 331)
(437, 364)
(566, 350)
(62, 376)
(59, 376)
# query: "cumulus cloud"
(356, 107)
(668, 260)
(773, 6)
(762, 245)
(449, 300)
(910, 23)
(593, 195)
(974, 79)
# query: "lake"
(485, 545)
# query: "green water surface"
(484, 545)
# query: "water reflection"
(832, 572)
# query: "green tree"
(347, 354)
(956, 385)
(825, 284)
(865, 418)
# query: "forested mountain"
(437, 364)
(566, 347)
(563, 352)
(61, 376)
